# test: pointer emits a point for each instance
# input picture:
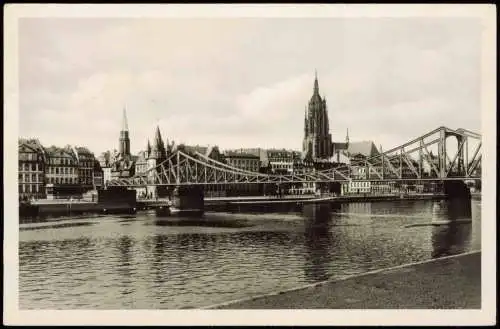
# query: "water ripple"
(147, 263)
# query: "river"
(146, 262)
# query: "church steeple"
(158, 139)
(124, 120)
(148, 148)
(316, 85)
(158, 150)
(124, 137)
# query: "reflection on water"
(452, 210)
(450, 239)
(317, 242)
(454, 237)
(147, 262)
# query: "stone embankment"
(452, 282)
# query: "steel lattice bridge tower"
(411, 161)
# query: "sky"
(245, 82)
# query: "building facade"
(98, 176)
(86, 164)
(105, 164)
(283, 161)
(317, 144)
(141, 167)
(244, 161)
(141, 164)
(359, 187)
(56, 172)
(62, 172)
(31, 169)
(247, 162)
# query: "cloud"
(245, 82)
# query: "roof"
(365, 148)
(32, 143)
(59, 151)
(195, 148)
(339, 146)
(212, 150)
(82, 150)
(232, 154)
(282, 153)
(256, 151)
(105, 159)
(142, 157)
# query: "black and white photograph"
(189, 159)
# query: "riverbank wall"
(70, 208)
(48, 208)
(108, 202)
(425, 285)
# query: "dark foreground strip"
(452, 282)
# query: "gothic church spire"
(316, 85)
(124, 120)
(124, 137)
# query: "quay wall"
(430, 284)
(108, 201)
(126, 203)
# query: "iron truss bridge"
(412, 161)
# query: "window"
(33, 167)
(27, 178)
(28, 188)
(20, 188)
(33, 178)
(57, 170)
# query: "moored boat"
(185, 212)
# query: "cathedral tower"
(317, 143)
(124, 137)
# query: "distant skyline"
(245, 82)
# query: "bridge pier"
(188, 200)
(456, 190)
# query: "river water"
(146, 262)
